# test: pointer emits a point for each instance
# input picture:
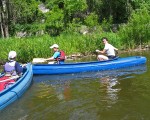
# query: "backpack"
(62, 56)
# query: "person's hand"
(97, 50)
(24, 65)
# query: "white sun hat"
(54, 46)
(12, 54)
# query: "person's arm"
(51, 58)
(18, 68)
(105, 49)
(56, 55)
(101, 51)
(115, 49)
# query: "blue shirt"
(57, 55)
(19, 68)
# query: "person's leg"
(102, 57)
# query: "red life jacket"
(62, 56)
(4, 84)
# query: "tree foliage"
(63, 15)
(136, 31)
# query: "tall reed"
(33, 47)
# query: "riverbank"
(74, 45)
(80, 55)
(77, 56)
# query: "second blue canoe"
(49, 69)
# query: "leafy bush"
(32, 47)
(136, 31)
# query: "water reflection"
(87, 96)
(109, 85)
(125, 72)
(61, 84)
(63, 91)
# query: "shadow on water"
(125, 72)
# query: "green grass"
(33, 47)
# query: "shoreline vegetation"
(74, 45)
(76, 26)
(76, 56)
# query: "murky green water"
(122, 94)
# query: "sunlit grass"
(33, 47)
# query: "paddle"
(38, 60)
(12, 78)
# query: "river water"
(122, 94)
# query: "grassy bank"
(29, 48)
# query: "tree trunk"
(4, 18)
(1, 21)
(1, 26)
(7, 18)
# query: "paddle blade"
(38, 60)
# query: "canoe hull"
(87, 66)
(13, 93)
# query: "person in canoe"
(12, 67)
(12, 71)
(58, 56)
(109, 50)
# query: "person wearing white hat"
(57, 54)
(12, 55)
(12, 67)
(54, 46)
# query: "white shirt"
(109, 49)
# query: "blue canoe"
(67, 68)
(9, 95)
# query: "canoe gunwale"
(91, 62)
(13, 93)
(68, 68)
(16, 83)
